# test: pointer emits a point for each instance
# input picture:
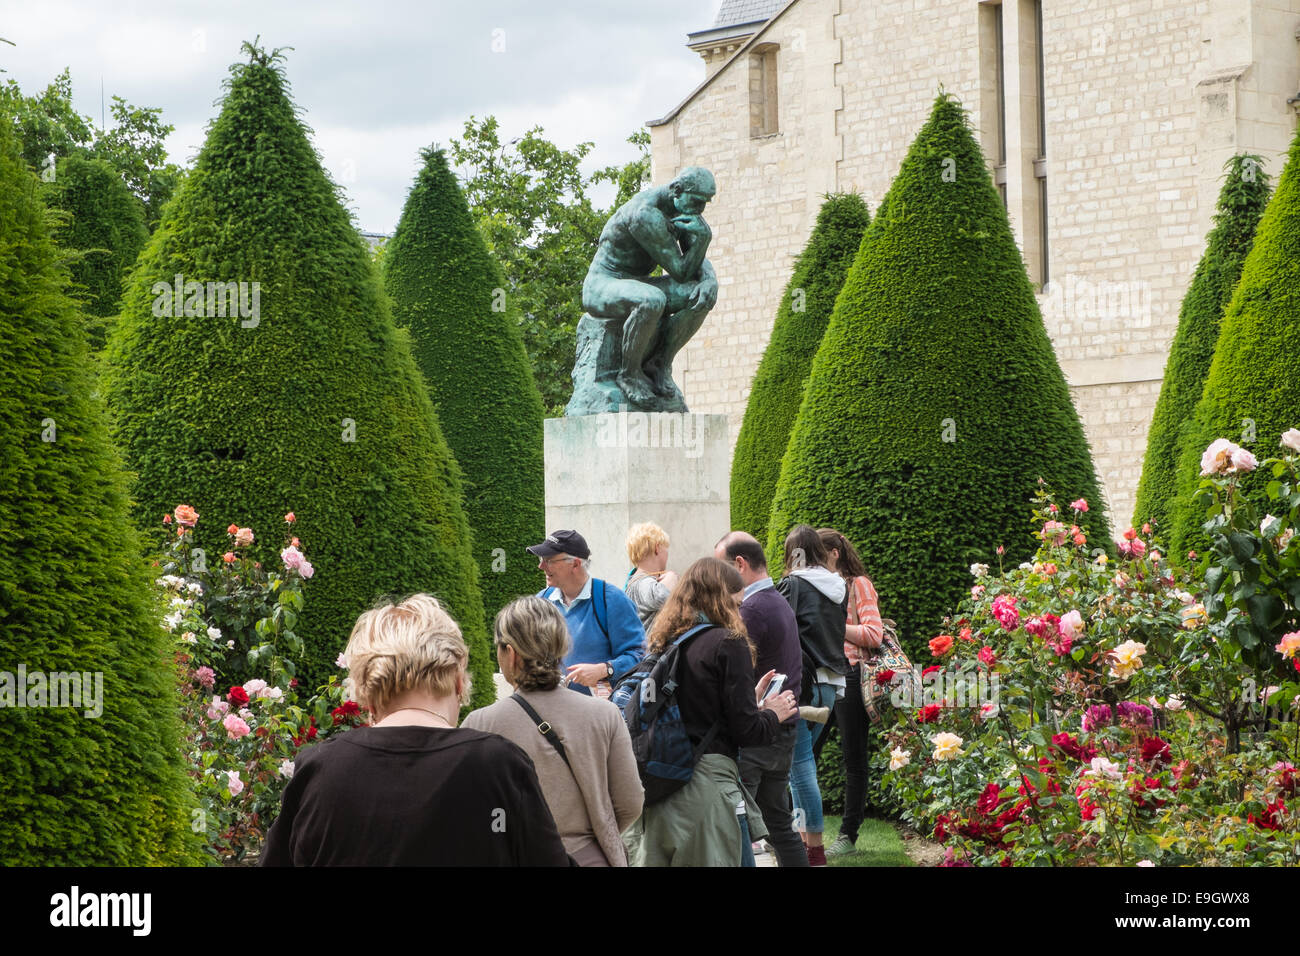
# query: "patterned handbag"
(906, 681)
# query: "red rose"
(988, 800)
(237, 696)
(964, 635)
(940, 828)
(348, 709)
(931, 669)
(1071, 747)
(987, 656)
(1087, 809)
(884, 677)
(940, 645)
(1155, 750)
(1271, 819)
(928, 714)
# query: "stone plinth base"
(607, 472)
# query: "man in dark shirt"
(765, 770)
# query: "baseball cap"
(562, 542)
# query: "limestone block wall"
(1144, 102)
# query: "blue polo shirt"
(624, 646)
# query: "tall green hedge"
(778, 384)
(313, 405)
(1241, 203)
(935, 402)
(1253, 386)
(449, 291)
(105, 229)
(107, 789)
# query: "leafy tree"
(1241, 203)
(105, 227)
(778, 384)
(81, 788)
(935, 402)
(447, 290)
(49, 126)
(530, 200)
(311, 402)
(1252, 390)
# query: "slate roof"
(733, 12)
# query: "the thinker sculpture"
(636, 323)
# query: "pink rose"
(295, 561)
(290, 518)
(1289, 646)
(1291, 439)
(235, 726)
(1054, 533)
(1072, 625)
(1004, 610)
(1243, 460)
(1079, 504)
(230, 557)
(233, 783)
(987, 656)
(186, 516)
(1218, 457)
(243, 537)
(217, 708)
(206, 677)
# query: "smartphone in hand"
(774, 688)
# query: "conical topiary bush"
(1241, 203)
(308, 400)
(935, 402)
(450, 293)
(105, 229)
(1252, 391)
(100, 782)
(778, 384)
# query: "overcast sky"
(376, 80)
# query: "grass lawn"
(878, 845)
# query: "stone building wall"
(1144, 102)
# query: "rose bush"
(233, 621)
(1099, 711)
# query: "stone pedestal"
(607, 472)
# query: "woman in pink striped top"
(862, 634)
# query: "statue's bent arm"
(651, 231)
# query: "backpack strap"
(600, 603)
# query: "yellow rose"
(946, 746)
(1126, 659)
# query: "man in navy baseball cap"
(608, 639)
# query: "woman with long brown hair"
(863, 632)
(718, 699)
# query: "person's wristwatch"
(609, 670)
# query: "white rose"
(899, 758)
(214, 633)
(286, 768)
(979, 570)
(1174, 703)
(1291, 439)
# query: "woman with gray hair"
(579, 744)
(412, 789)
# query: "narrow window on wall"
(993, 93)
(762, 91)
(1040, 163)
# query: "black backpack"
(647, 697)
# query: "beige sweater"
(600, 750)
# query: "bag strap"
(546, 730)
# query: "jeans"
(746, 845)
(855, 728)
(765, 772)
(803, 770)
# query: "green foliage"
(1252, 390)
(450, 293)
(109, 789)
(48, 124)
(778, 384)
(106, 229)
(312, 405)
(935, 402)
(1241, 203)
(830, 773)
(530, 200)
